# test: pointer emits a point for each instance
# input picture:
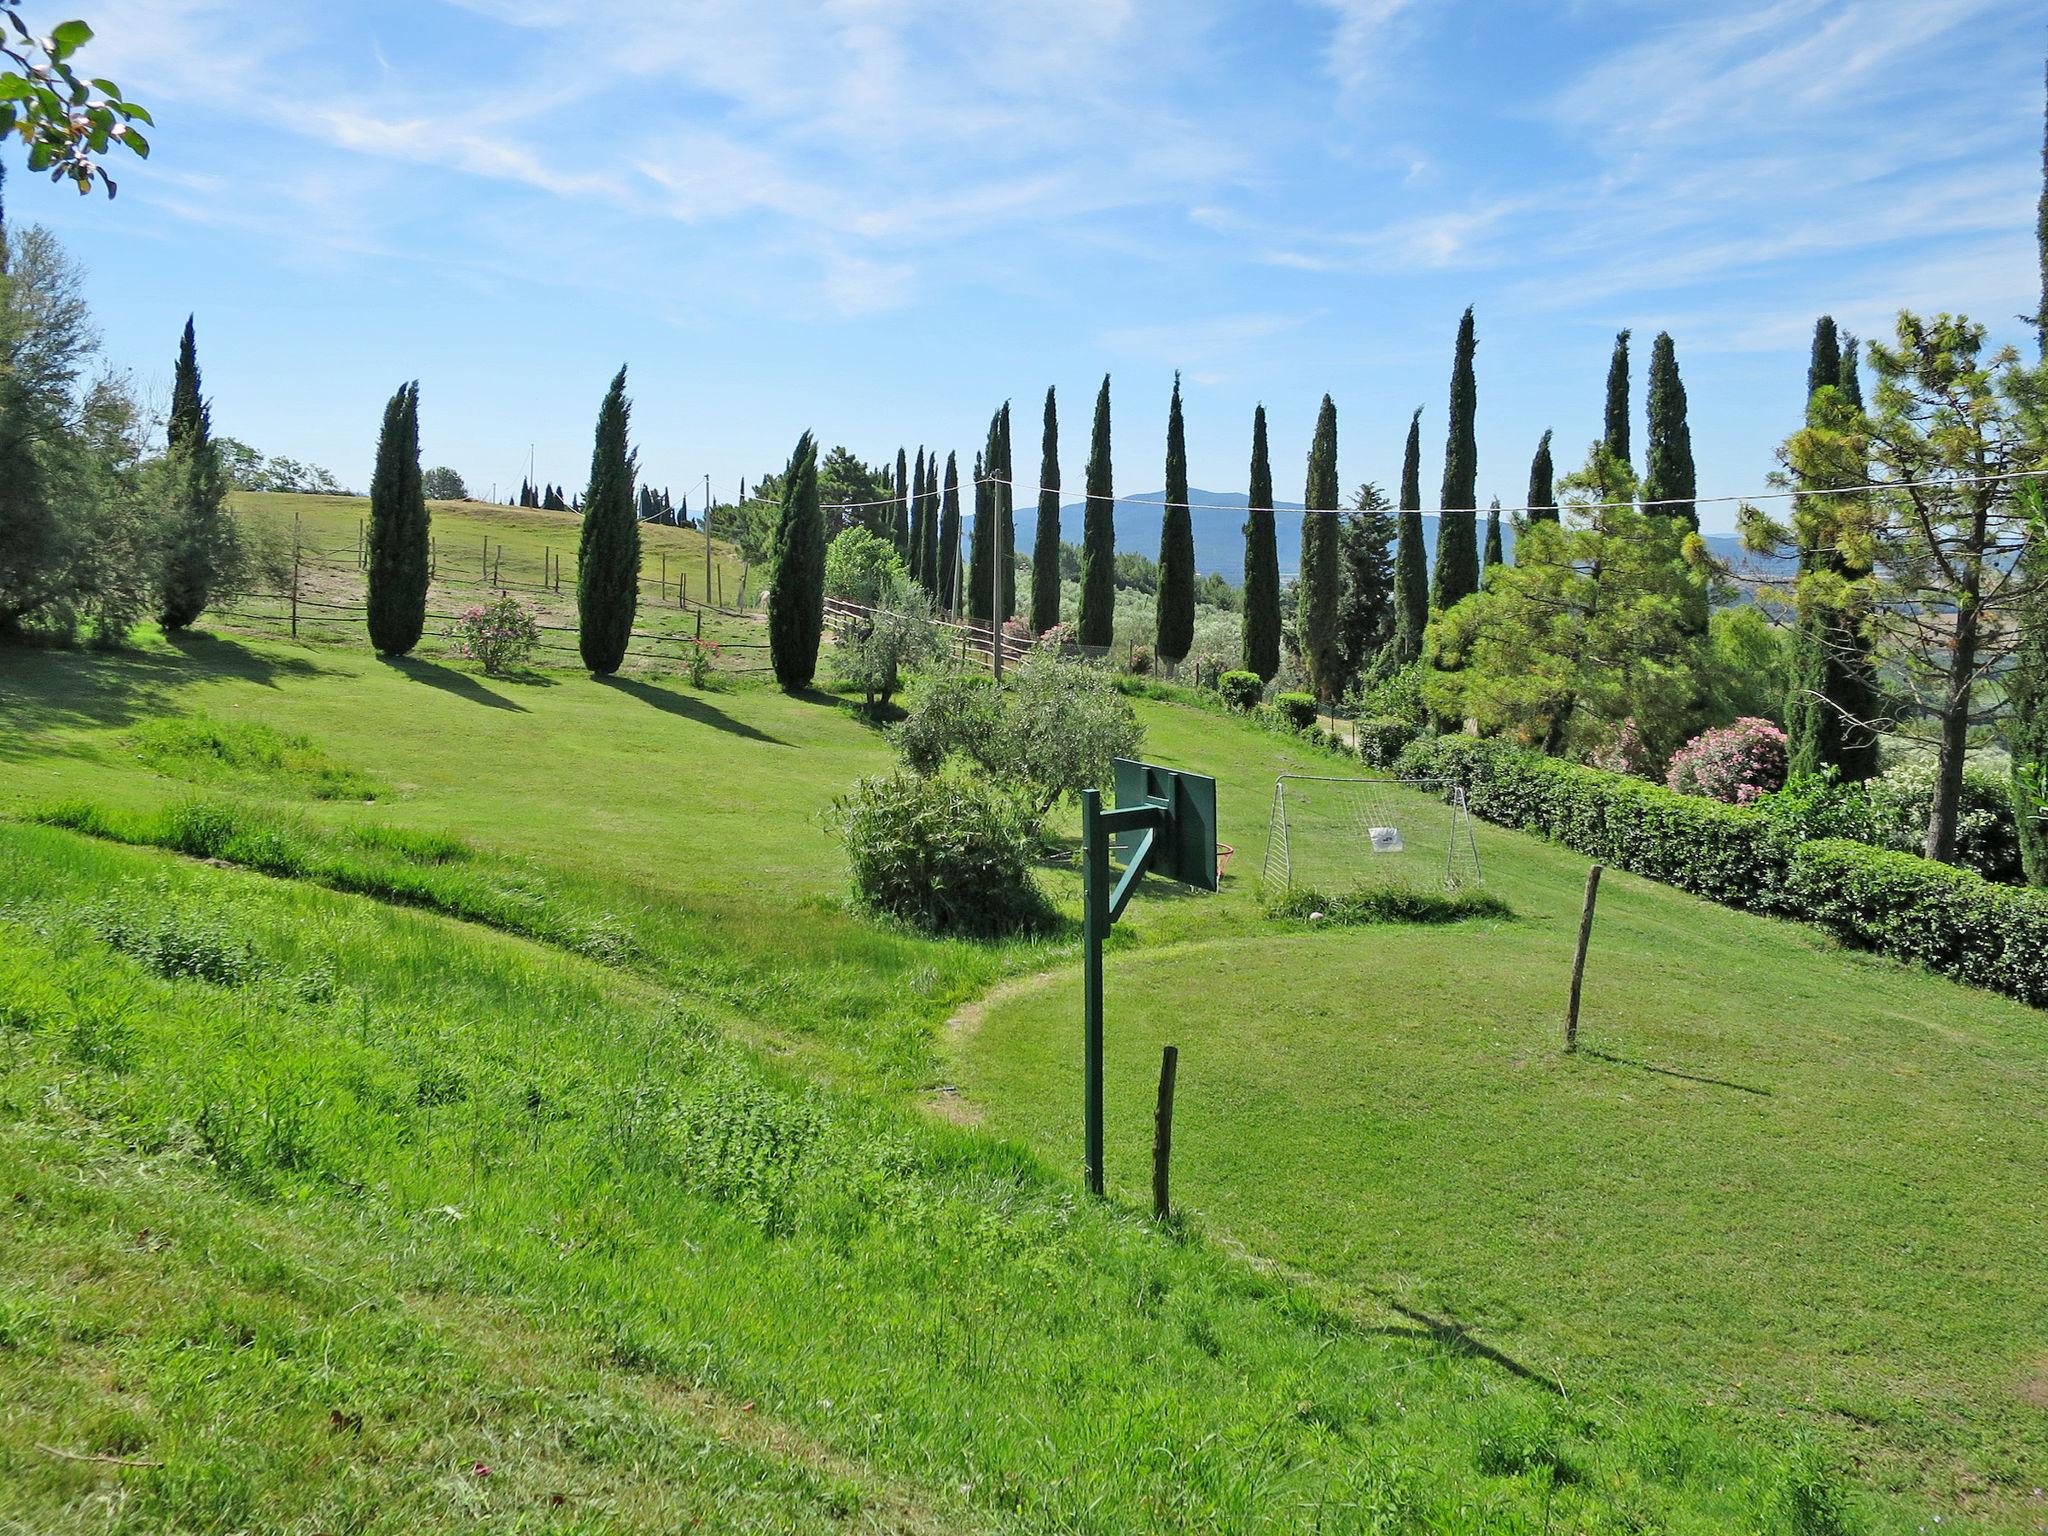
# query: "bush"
(945, 854)
(1734, 765)
(1141, 660)
(1241, 690)
(897, 635)
(1381, 741)
(860, 567)
(499, 635)
(1896, 903)
(958, 713)
(1891, 812)
(1297, 709)
(1386, 904)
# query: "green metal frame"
(1164, 816)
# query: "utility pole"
(707, 538)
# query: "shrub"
(1623, 750)
(1241, 690)
(859, 566)
(1386, 904)
(897, 635)
(1395, 695)
(1896, 903)
(1141, 660)
(1297, 709)
(1734, 765)
(499, 635)
(1381, 740)
(697, 661)
(947, 855)
(957, 713)
(1987, 832)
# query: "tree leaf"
(68, 37)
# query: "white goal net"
(1336, 835)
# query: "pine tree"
(1367, 621)
(1824, 364)
(1411, 558)
(1493, 554)
(1669, 480)
(949, 538)
(198, 540)
(981, 541)
(1098, 538)
(1457, 534)
(1045, 543)
(1174, 610)
(608, 545)
(1615, 435)
(1542, 484)
(398, 530)
(1322, 581)
(1261, 563)
(796, 602)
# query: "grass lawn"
(1782, 1213)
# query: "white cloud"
(1362, 36)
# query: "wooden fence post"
(1571, 1018)
(295, 574)
(1162, 1131)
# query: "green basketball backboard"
(1184, 849)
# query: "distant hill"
(1219, 534)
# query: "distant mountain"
(1219, 534)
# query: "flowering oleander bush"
(1734, 765)
(498, 635)
(1624, 751)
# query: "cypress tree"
(398, 530)
(1098, 537)
(198, 535)
(1616, 433)
(981, 543)
(1002, 502)
(928, 554)
(915, 562)
(2041, 236)
(1322, 579)
(796, 602)
(1851, 381)
(1669, 480)
(1457, 534)
(1411, 560)
(1045, 544)
(1174, 612)
(1261, 563)
(899, 514)
(608, 545)
(949, 539)
(2027, 732)
(1493, 554)
(1542, 484)
(1824, 363)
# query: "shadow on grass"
(686, 707)
(1690, 1077)
(1459, 1340)
(48, 687)
(449, 680)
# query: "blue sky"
(880, 218)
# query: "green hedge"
(1895, 903)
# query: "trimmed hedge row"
(1898, 904)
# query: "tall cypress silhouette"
(608, 545)
(928, 561)
(1824, 361)
(899, 512)
(198, 536)
(1002, 502)
(1542, 483)
(981, 542)
(949, 538)
(1411, 555)
(1615, 432)
(398, 530)
(1098, 536)
(1457, 531)
(1669, 477)
(1322, 575)
(1174, 611)
(1850, 382)
(1493, 554)
(1045, 543)
(914, 558)
(796, 602)
(1261, 563)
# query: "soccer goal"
(1336, 835)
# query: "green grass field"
(621, 1158)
